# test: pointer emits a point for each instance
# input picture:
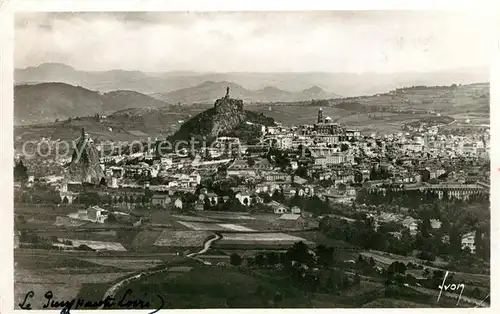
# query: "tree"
(301, 172)
(425, 227)
(299, 252)
(260, 260)
(426, 272)
(250, 162)
(272, 258)
(361, 260)
(396, 268)
(342, 187)
(325, 254)
(20, 171)
(111, 218)
(372, 262)
(426, 256)
(235, 259)
(277, 299)
(278, 196)
(206, 204)
(357, 280)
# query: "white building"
(93, 214)
(469, 241)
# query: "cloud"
(342, 41)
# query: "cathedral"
(324, 125)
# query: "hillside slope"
(46, 102)
(451, 99)
(49, 101)
(125, 99)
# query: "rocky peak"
(228, 113)
(228, 105)
(226, 117)
(85, 164)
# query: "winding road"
(206, 246)
(112, 291)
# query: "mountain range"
(209, 91)
(346, 84)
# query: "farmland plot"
(129, 264)
(193, 218)
(63, 286)
(68, 222)
(144, 239)
(177, 238)
(236, 227)
(228, 216)
(97, 245)
(202, 226)
(258, 240)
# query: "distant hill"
(209, 91)
(461, 102)
(346, 84)
(46, 102)
(103, 81)
(124, 99)
(452, 99)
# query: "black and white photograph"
(251, 160)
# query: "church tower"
(320, 115)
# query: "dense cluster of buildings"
(324, 159)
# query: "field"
(97, 245)
(145, 239)
(126, 264)
(236, 227)
(193, 218)
(216, 287)
(214, 226)
(68, 222)
(173, 238)
(63, 275)
(257, 240)
(202, 226)
(227, 215)
(72, 274)
(394, 303)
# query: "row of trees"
(427, 240)
(307, 269)
(412, 198)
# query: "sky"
(335, 41)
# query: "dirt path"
(111, 292)
(206, 246)
(113, 289)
